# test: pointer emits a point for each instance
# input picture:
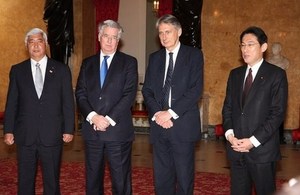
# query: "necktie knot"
(250, 71)
(105, 57)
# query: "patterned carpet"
(73, 180)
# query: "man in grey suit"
(39, 114)
(254, 108)
(105, 99)
(172, 88)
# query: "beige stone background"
(222, 23)
(15, 20)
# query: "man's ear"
(264, 47)
(179, 32)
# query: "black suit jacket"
(46, 119)
(114, 99)
(187, 85)
(262, 114)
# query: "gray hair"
(112, 24)
(168, 19)
(35, 31)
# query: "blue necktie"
(168, 83)
(103, 70)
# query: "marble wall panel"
(222, 23)
(16, 18)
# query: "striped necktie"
(168, 83)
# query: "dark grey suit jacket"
(114, 99)
(262, 114)
(187, 85)
(47, 118)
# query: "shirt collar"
(42, 62)
(175, 50)
(108, 59)
(254, 68)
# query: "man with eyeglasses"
(254, 108)
(106, 89)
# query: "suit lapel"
(240, 82)
(29, 77)
(94, 79)
(258, 81)
(162, 66)
(113, 67)
(49, 74)
(179, 63)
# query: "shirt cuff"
(229, 132)
(153, 118)
(254, 141)
(173, 114)
(90, 116)
(111, 122)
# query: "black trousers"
(118, 155)
(173, 166)
(246, 176)
(28, 157)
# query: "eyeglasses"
(108, 37)
(248, 45)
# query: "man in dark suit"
(172, 101)
(252, 114)
(39, 114)
(105, 101)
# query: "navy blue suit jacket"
(187, 86)
(30, 118)
(114, 99)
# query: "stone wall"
(222, 23)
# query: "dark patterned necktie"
(168, 82)
(247, 86)
(103, 70)
(38, 80)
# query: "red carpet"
(73, 180)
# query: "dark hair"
(168, 19)
(256, 31)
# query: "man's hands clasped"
(100, 123)
(163, 118)
(240, 145)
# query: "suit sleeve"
(68, 102)
(227, 106)
(81, 92)
(148, 89)
(11, 107)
